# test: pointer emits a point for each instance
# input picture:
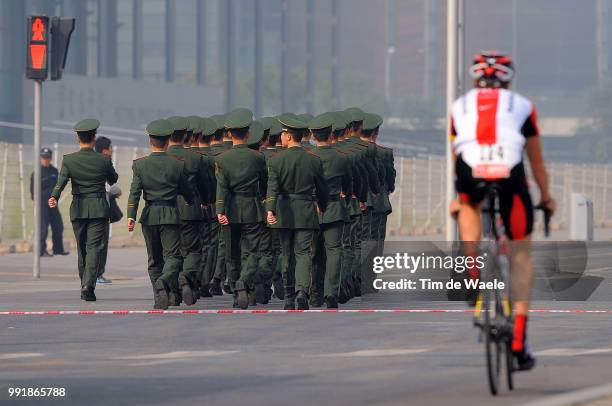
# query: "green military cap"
(339, 121)
(356, 114)
(88, 124)
(321, 121)
(305, 117)
(256, 132)
(292, 115)
(219, 120)
(275, 126)
(194, 124)
(160, 128)
(239, 118)
(179, 123)
(266, 122)
(372, 121)
(208, 126)
(348, 117)
(288, 121)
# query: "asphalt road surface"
(277, 358)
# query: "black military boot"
(205, 291)
(162, 294)
(357, 287)
(87, 294)
(289, 303)
(242, 295)
(315, 299)
(331, 302)
(186, 291)
(302, 300)
(215, 287)
(259, 293)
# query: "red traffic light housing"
(38, 47)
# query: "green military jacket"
(159, 177)
(338, 176)
(366, 155)
(384, 155)
(241, 179)
(360, 183)
(211, 181)
(88, 172)
(293, 177)
(194, 169)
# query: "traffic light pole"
(37, 177)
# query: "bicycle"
(493, 311)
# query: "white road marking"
(17, 355)
(572, 352)
(176, 355)
(377, 353)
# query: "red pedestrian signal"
(38, 48)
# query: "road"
(276, 358)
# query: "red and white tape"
(265, 311)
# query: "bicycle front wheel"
(493, 348)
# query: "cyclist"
(491, 126)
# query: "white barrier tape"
(263, 311)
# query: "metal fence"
(418, 202)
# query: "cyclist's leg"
(517, 213)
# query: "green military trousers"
(91, 238)
(209, 236)
(346, 276)
(266, 258)
(220, 263)
(242, 245)
(191, 250)
(327, 260)
(356, 248)
(369, 232)
(104, 252)
(164, 251)
(296, 246)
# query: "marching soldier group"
(290, 207)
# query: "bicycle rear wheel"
(493, 348)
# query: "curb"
(577, 397)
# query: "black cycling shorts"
(516, 207)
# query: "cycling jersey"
(492, 125)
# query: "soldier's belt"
(164, 203)
(245, 193)
(294, 196)
(93, 195)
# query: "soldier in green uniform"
(327, 262)
(371, 127)
(360, 224)
(241, 175)
(352, 205)
(218, 147)
(160, 178)
(295, 180)
(270, 242)
(88, 172)
(209, 231)
(375, 204)
(258, 134)
(191, 216)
